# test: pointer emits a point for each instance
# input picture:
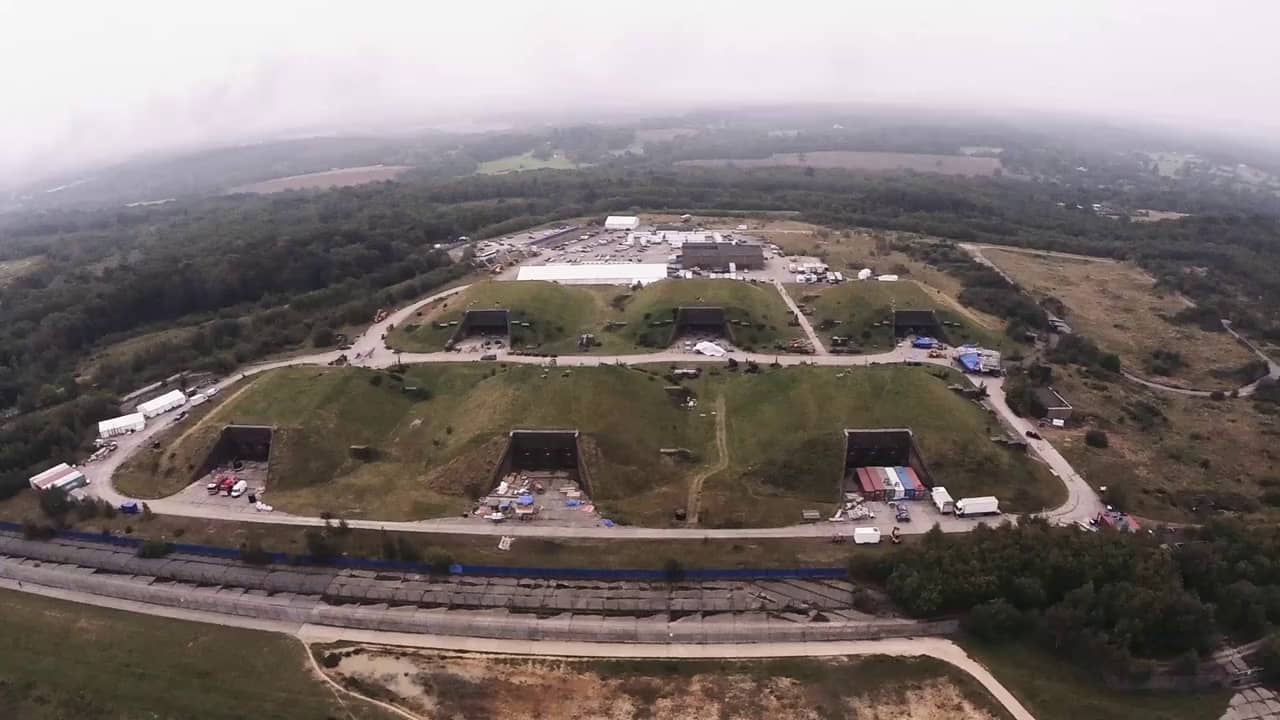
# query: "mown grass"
(525, 161)
(1052, 689)
(622, 320)
(64, 660)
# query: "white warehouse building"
(162, 404)
(61, 475)
(122, 425)
(621, 222)
(595, 273)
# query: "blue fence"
(635, 574)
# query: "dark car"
(901, 514)
(1033, 435)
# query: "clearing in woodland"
(341, 177)
(867, 161)
(1120, 308)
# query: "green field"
(65, 660)
(1053, 689)
(622, 320)
(853, 309)
(433, 455)
(526, 161)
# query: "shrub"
(32, 530)
(320, 548)
(154, 549)
(1217, 395)
(995, 621)
(330, 660)
(375, 380)
(440, 562)
(1096, 438)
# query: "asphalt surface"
(370, 350)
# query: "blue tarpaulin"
(608, 523)
(571, 502)
(524, 500)
(971, 362)
(924, 343)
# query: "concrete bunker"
(921, 323)
(243, 451)
(702, 322)
(547, 466)
(487, 325)
(870, 451)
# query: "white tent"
(621, 222)
(162, 404)
(132, 422)
(709, 349)
(864, 273)
(887, 278)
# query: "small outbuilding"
(1055, 406)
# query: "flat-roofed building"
(721, 255)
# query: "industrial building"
(722, 256)
(595, 273)
(133, 422)
(1055, 406)
(61, 476)
(163, 404)
(621, 222)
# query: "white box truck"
(866, 536)
(986, 505)
(942, 500)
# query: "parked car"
(488, 356)
(238, 489)
(1033, 435)
(214, 485)
(226, 484)
(901, 514)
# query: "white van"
(238, 489)
(866, 536)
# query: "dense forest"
(1111, 601)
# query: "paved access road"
(370, 350)
(941, 649)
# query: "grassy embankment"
(863, 313)
(622, 320)
(784, 438)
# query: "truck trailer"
(866, 536)
(985, 505)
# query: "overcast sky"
(83, 82)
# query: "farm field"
(1119, 307)
(868, 161)
(526, 161)
(79, 661)
(852, 310)
(340, 177)
(1169, 457)
(508, 688)
(433, 456)
(622, 320)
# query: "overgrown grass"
(63, 660)
(1056, 690)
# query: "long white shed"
(162, 404)
(60, 475)
(621, 222)
(133, 422)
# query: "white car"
(238, 489)
(211, 391)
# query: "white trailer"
(866, 536)
(123, 425)
(942, 500)
(985, 505)
(163, 404)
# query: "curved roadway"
(370, 350)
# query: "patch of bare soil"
(445, 686)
